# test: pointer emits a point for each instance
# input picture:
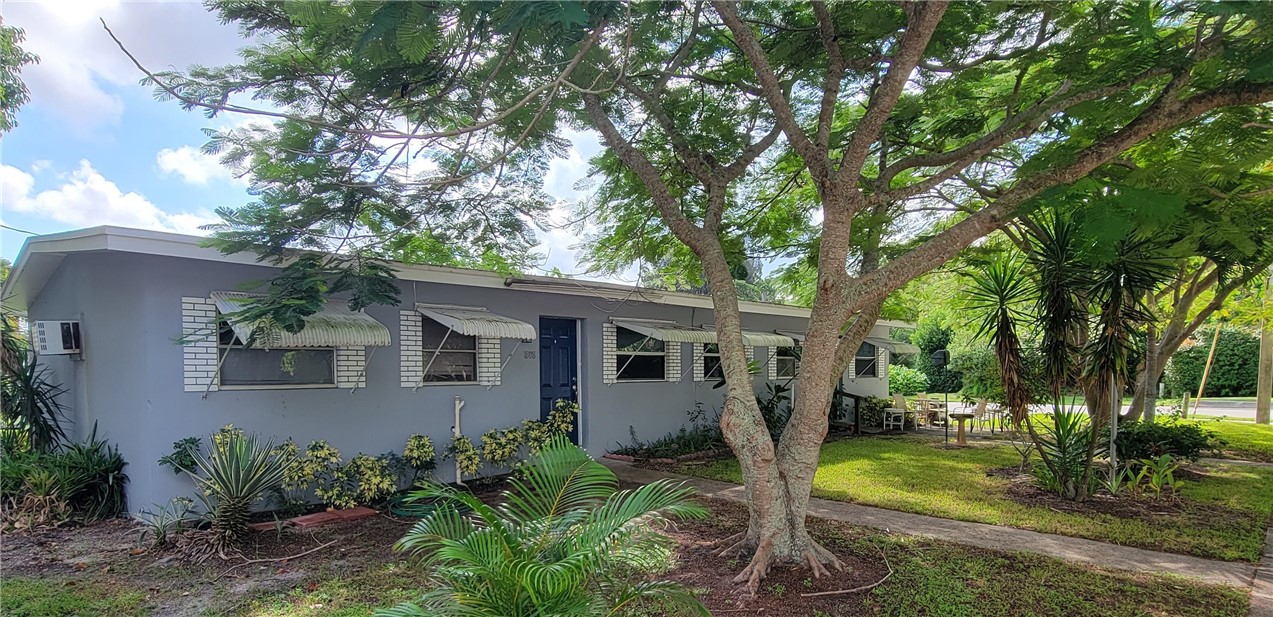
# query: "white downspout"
(456, 432)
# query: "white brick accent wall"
(700, 360)
(199, 339)
(771, 365)
(672, 362)
(489, 356)
(609, 341)
(881, 362)
(411, 359)
(351, 367)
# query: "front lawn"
(1223, 514)
(360, 573)
(1246, 440)
(24, 597)
(932, 578)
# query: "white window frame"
(224, 350)
(795, 363)
(620, 363)
(428, 355)
(706, 374)
(875, 361)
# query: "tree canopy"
(862, 143)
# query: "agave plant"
(565, 541)
(235, 474)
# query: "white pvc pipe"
(456, 432)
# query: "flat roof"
(41, 255)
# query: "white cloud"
(86, 198)
(193, 165)
(81, 71)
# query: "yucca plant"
(1067, 445)
(565, 541)
(31, 405)
(235, 474)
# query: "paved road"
(1232, 409)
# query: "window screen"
(865, 362)
(711, 362)
(638, 357)
(274, 367)
(456, 359)
(787, 361)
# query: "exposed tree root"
(734, 545)
(757, 567)
(819, 557)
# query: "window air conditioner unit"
(57, 337)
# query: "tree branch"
(922, 20)
(774, 92)
(1165, 113)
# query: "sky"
(94, 147)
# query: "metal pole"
(1115, 403)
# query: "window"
(865, 361)
(456, 360)
(711, 362)
(251, 367)
(787, 362)
(638, 357)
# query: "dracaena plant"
(236, 473)
(564, 541)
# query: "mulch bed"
(1023, 488)
(699, 568)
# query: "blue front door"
(558, 366)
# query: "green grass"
(1246, 440)
(916, 475)
(348, 595)
(941, 579)
(21, 597)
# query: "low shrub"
(83, 480)
(558, 545)
(703, 434)
(467, 460)
(871, 412)
(906, 381)
(1150, 440)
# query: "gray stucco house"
(147, 366)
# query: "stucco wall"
(131, 378)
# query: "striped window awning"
(332, 326)
(894, 347)
(672, 332)
(477, 321)
(768, 339)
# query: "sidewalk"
(981, 535)
(1262, 590)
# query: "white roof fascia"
(168, 244)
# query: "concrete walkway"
(1262, 590)
(988, 536)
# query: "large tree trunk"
(778, 480)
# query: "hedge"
(1233, 373)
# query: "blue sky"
(94, 147)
